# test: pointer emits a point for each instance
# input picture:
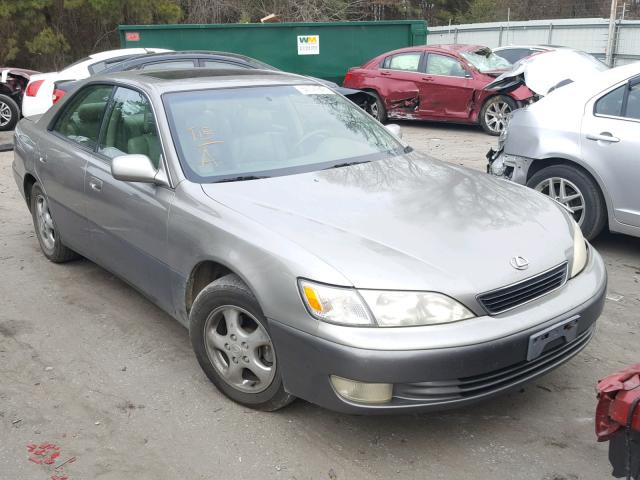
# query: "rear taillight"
(33, 87)
(57, 95)
(347, 78)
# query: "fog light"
(498, 166)
(361, 392)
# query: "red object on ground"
(617, 395)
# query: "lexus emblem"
(519, 263)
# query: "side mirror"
(136, 168)
(395, 129)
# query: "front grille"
(480, 385)
(506, 298)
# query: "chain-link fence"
(597, 36)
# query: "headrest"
(91, 112)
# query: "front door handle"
(428, 79)
(603, 137)
(95, 184)
(385, 73)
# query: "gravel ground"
(89, 366)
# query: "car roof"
(447, 48)
(529, 47)
(164, 81)
(122, 63)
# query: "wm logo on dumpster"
(308, 44)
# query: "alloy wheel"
(497, 115)
(5, 114)
(373, 110)
(45, 223)
(565, 192)
(240, 349)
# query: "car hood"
(545, 71)
(409, 222)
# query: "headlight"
(579, 251)
(334, 304)
(347, 306)
(401, 309)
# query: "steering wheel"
(307, 136)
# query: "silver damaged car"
(307, 249)
(579, 145)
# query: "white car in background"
(40, 93)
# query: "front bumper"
(430, 379)
(511, 167)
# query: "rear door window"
(81, 120)
(633, 103)
(611, 103)
(403, 61)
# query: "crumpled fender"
(521, 93)
(618, 394)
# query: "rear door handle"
(95, 184)
(603, 137)
(427, 79)
(385, 73)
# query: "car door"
(446, 88)
(128, 220)
(398, 79)
(610, 141)
(62, 157)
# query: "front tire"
(230, 337)
(495, 112)
(577, 191)
(45, 227)
(9, 113)
(377, 109)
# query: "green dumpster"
(325, 50)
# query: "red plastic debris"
(48, 454)
(617, 395)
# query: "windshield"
(243, 133)
(485, 60)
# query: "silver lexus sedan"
(308, 250)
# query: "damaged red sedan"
(439, 82)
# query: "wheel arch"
(27, 185)
(203, 273)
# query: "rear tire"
(9, 113)
(494, 113)
(377, 109)
(230, 337)
(45, 227)
(576, 190)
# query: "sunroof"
(206, 72)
